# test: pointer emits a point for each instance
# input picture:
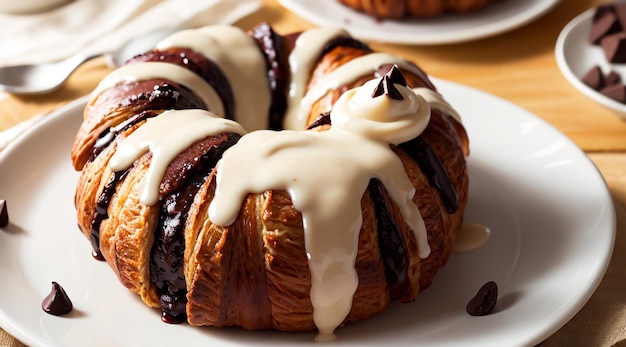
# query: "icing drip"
(308, 47)
(157, 136)
(171, 72)
(332, 216)
(239, 57)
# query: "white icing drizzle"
(343, 75)
(142, 71)
(166, 136)
(242, 62)
(329, 199)
(436, 101)
(307, 49)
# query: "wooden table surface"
(518, 66)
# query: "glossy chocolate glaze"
(102, 205)
(430, 164)
(277, 62)
(180, 185)
(199, 64)
(135, 97)
(107, 137)
(345, 42)
(390, 241)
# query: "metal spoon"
(45, 78)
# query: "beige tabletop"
(518, 66)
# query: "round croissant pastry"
(205, 214)
(395, 9)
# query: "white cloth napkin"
(89, 26)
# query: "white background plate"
(498, 17)
(549, 210)
(575, 56)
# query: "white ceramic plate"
(497, 18)
(549, 210)
(575, 56)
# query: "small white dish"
(551, 241)
(498, 17)
(575, 56)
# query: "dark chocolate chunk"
(322, 119)
(594, 78)
(396, 76)
(607, 24)
(4, 214)
(485, 300)
(612, 78)
(57, 302)
(601, 10)
(387, 84)
(614, 47)
(616, 92)
(620, 13)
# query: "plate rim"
(539, 8)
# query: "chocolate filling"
(107, 136)
(430, 164)
(390, 241)
(154, 94)
(344, 42)
(200, 65)
(101, 214)
(167, 256)
(276, 61)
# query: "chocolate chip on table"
(484, 301)
(4, 214)
(57, 303)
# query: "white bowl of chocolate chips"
(591, 54)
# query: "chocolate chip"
(612, 78)
(614, 47)
(485, 300)
(322, 119)
(594, 78)
(57, 302)
(616, 92)
(606, 24)
(4, 214)
(387, 84)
